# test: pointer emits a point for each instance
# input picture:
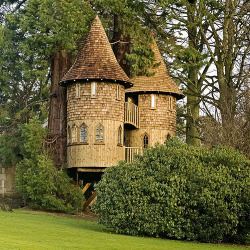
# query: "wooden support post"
(90, 200)
(85, 188)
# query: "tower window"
(69, 135)
(83, 133)
(145, 141)
(74, 134)
(168, 137)
(153, 102)
(99, 133)
(120, 136)
(170, 102)
(93, 89)
(77, 90)
(118, 92)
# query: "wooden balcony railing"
(131, 115)
(130, 152)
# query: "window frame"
(74, 136)
(118, 92)
(170, 103)
(93, 86)
(143, 141)
(153, 101)
(119, 143)
(69, 135)
(78, 90)
(83, 136)
(98, 139)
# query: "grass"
(24, 229)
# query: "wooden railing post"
(130, 152)
(131, 115)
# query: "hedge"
(180, 192)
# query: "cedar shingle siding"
(159, 82)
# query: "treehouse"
(109, 116)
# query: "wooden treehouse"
(109, 116)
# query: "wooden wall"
(104, 108)
(158, 122)
(93, 154)
(162, 117)
(134, 138)
(104, 105)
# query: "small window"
(170, 102)
(74, 134)
(118, 92)
(77, 90)
(153, 102)
(168, 136)
(145, 141)
(93, 89)
(83, 133)
(69, 135)
(120, 135)
(99, 133)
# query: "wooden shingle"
(96, 59)
(159, 82)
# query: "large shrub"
(40, 183)
(178, 191)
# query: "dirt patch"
(8, 204)
(12, 203)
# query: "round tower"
(95, 104)
(155, 97)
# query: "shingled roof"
(96, 59)
(159, 82)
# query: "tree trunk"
(121, 45)
(193, 88)
(57, 121)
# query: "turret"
(95, 105)
(155, 98)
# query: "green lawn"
(23, 229)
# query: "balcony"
(131, 115)
(130, 152)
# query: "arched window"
(145, 141)
(83, 133)
(120, 135)
(168, 136)
(74, 134)
(69, 135)
(99, 133)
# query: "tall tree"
(227, 41)
(185, 45)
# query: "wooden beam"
(92, 202)
(90, 199)
(91, 169)
(85, 188)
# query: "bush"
(40, 183)
(180, 192)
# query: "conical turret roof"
(159, 82)
(96, 60)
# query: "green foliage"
(38, 180)
(180, 192)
